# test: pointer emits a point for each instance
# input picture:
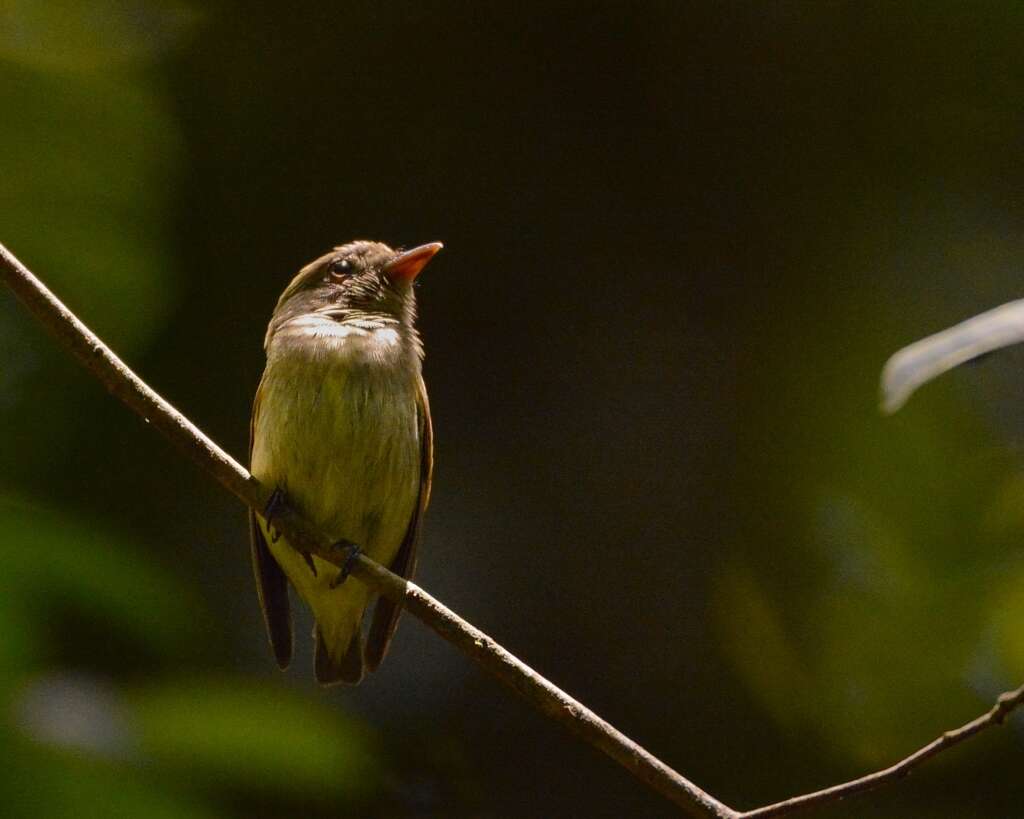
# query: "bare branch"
(544, 695)
(995, 716)
(537, 690)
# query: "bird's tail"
(331, 666)
(337, 635)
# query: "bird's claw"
(275, 504)
(309, 562)
(352, 552)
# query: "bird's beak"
(406, 266)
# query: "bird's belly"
(343, 443)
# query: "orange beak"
(406, 266)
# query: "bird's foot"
(277, 502)
(352, 551)
(309, 561)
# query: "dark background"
(681, 240)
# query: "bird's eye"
(340, 268)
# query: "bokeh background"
(681, 240)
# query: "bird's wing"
(386, 613)
(931, 357)
(271, 584)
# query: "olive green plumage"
(341, 425)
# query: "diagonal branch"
(541, 693)
(538, 691)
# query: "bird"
(341, 429)
(924, 360)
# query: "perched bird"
(341, 427)
(930, 357)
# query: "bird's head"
(361, 282)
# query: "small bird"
(341, 428)
(930, 357)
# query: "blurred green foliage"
(90, 160)
(156, 748)
(896, 612)
(683, 238)
(218, 731)
(56, 563)
(92, 153)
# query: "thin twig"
(541, 693)
(133, 391)
(996, 715)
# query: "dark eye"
(340, 268)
